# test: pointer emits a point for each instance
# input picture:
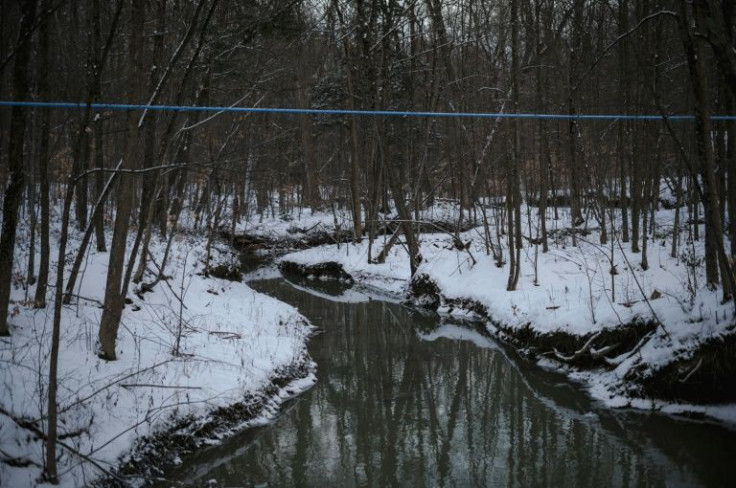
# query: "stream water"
(407, 399)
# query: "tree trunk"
(16, 164)
(355, 161)
(114, 300)
(574, 175)
(513, 193)
(311, 183)
(636, 181)
(39, 300)
(82, 250)
(98, 218)
(543, 151)
(715, 257)
(50, 472)
(676, 225)
(622, 132)
(31, 188)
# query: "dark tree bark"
(16, 163)
(715, 257)
(622, 132)
(98, 151)
(576, 48)
(715, 20)
(101, 190)
(114, 299)
(39, 300)
(513, 193)
(543, 151)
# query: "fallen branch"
(456, 242)
(17, 462)
(29, 425)
(599, 353)
(225, 334)
(641, 290)
(80, 297)
(623, 357)
(151, 385)
(692, 371)
(585, 349)
(26, 424)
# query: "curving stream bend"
(407, 399)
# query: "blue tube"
(373, 113)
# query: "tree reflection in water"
(401, 401)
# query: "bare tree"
(114, 299)
(14, 190)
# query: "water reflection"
(401, 402)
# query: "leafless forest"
(115, 174)
(112, 168)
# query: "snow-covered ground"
(232, 342)
(572, 291)
(300, 223)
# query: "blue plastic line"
(374, 113)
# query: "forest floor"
(656, 339)
(240, 354)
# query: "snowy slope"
(233, 341)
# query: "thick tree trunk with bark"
(16, 164)
(114, 286)
(715, 257)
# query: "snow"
(390, 277)
(233, 342)
(456, 333)
(571, 292)
(346, 295)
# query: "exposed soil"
(225, 272)
(708, 376)
(296, 240)
(530, 343)
(329, 270)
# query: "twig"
(109, 385)
(89, 460)
(692, 371)
(617, 40)
(17, 461)
(636, 280)
(80, 297)
(29, 425)
(151, 385)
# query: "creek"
(405, 398)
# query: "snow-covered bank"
(300, 228)
(654, 338)
(198, 358)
